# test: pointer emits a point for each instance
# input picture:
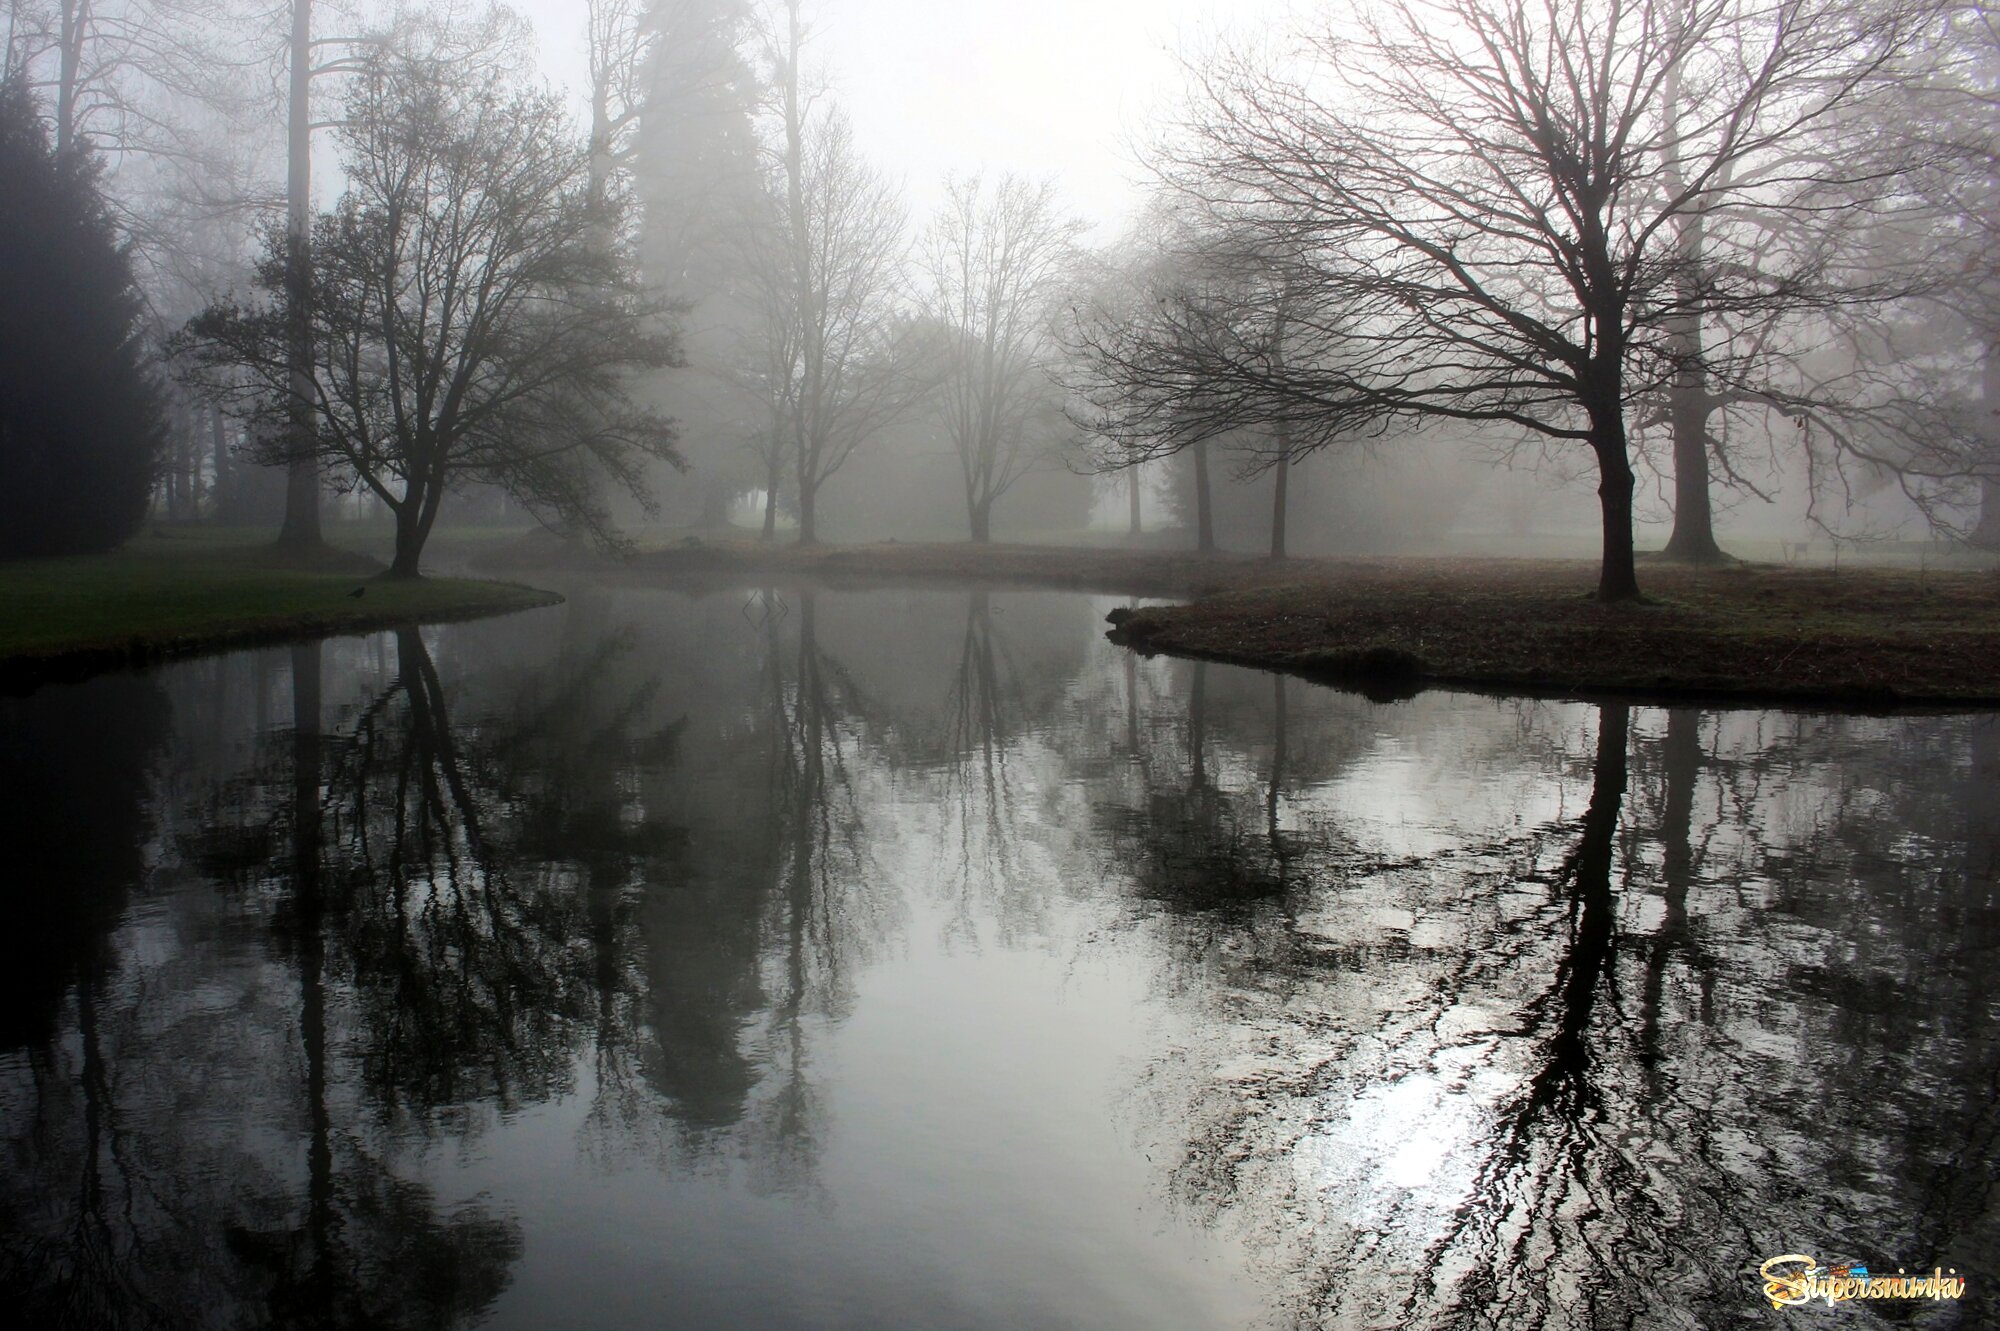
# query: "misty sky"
(1038, 86)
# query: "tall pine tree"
(81, 428)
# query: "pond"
(916, 958)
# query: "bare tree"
(465, 325)
(1951, 118)
(829, 274)
(621, 45)
(994, 264)
(1190, 341)
(1842, 371)
(1488, 191)
(120, 71)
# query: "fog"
(1038, 88)
(1817, 321)
(1107, 663)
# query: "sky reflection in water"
(915, 958)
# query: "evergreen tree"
(81, 427)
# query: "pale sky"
(1057, 87)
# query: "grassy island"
(1856, 637)
(168, 594)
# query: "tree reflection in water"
(1476, 1013)
(1590, 1072)
(191, 1209)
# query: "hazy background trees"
(1754, 246)
(828, 270)
(994, 265)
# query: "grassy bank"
(1868, 637)
(167, 595)
(1852, 636)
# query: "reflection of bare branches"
(1534, 1159)
(1196, 848)
(823, 897)
(985, 706)
(1465, 1125)
(176, 1223)
(477, 967)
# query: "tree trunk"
(1283, 435)
(1134, 473)
(1274, 790)
(716, 497)
(1131, 702)
(807, 418)
(184, 466)
(1283, 472)
(176, 459)
(1681, 763)
(218, 437)
(1592, 937)
(1204, 515)
(808, 515)
(409, 537)
(309, 909)
(599, 183)
(69, 39)
(302, 528)
(1986, 534)
(982, 521)
(1617, 578)
(1198, 727)
(1693, 540)
(1688, 404)
(773, 475)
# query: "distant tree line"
(1707, 245)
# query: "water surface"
(918, 959)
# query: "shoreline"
(1109, 569)
(166, 599)
(1861, 640)
(1868, 638)
(26, 672)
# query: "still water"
(917, 959)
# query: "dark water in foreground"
(916, 959)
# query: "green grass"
(170, 592)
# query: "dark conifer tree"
(81, 428)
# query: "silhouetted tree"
(466, 327)
(1488, 193)
(81, 431)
